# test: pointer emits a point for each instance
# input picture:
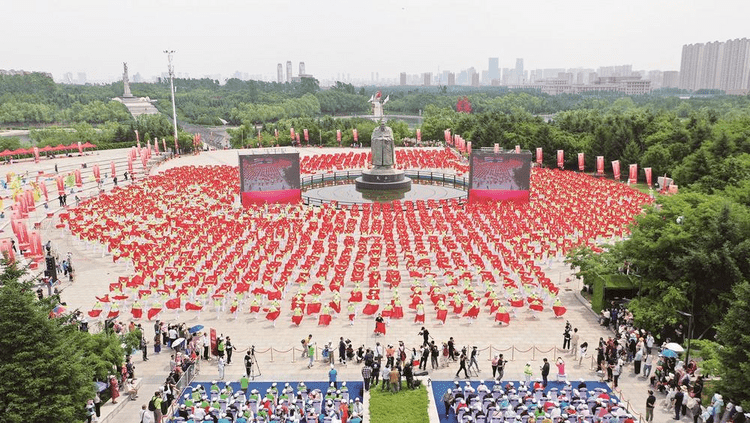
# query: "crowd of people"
(220, 403)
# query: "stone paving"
(527, 338)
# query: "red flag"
(307, 135)
(581, 162)
(355, 134)
(153, 312)
(600, 165)
(419, 134)
(137, 313)
(648, 176)
(192, 306)
(112, 314)
(561, 159)
(539, 155)
(173, 304)
(616, 169)
(633, 174)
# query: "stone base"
(383, 179)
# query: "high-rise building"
(717, 65)
(288, 71)
(82, 78)
(475, 79)
(493, 72)
(670, 79)
(280, 73)
(427, 76)
(451, 79)
(402, 78)
(302, 68)
(519, 74)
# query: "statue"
(126, 81)
(377, 106)
(381, 144)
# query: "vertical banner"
(539, 155)
(581, 162)
(260, 139)
(338, 136)
(214, 342)
(616, 169)
(419, 135)
(276, 134)
(468, 147)
(80, 148)
(518, 149)
(79, 180)
(447, 135)
(291, 134)
(497, 148)
(633, 174)
(307, 135)
(600, 165)
(112, 168)
(561, 159)
(43, 186)
(36, 154)
(97, 174)
(164, 144)
(60, 185)
(647, 170)
(138, 139)
(355, 135)
(297, 135)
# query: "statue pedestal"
(381, 179)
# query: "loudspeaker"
(51, 268)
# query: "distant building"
(451, 79)
(628, 85)
(716, 65)
(402, 78)
(474, 79)
(288, 71)
(493, 72)
(280, 73)
(519, 74)
(427, 79)
(670, 79)
(302, 68)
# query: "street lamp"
(174, 108)
(690, 334)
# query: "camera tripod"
(252, 368)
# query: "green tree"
(735, 354)
(43, 372)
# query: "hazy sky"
(354, 36)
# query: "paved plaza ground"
(528, 338)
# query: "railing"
(185, 380)
(348, 177)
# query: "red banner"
(291, 133)
(600, 165)
(43, 185)
(468, 147)
(164, 144)
(79, 180)
(36, 154)
(276, 134)
(616, 169)
(497, 148)
(338, 135)
(633, 174)
(355, 134)
(97, 173)
(419, 135)
(561, 159)
(214, 342)
(539, 155)
(647, 170)
(447, 134)
(60, 185)
(138, 139)
(581, 162)
(307, 135)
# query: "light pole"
(174, 108)
(690, 334)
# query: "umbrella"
(57, 311)
(177, 342)
(669, 353)
(674, 347)
(196, 328)
(100, 386)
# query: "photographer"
(248, 363)
(566, 336)
(425, 336)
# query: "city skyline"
(332, 37)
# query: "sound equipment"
(51, 270)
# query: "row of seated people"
(222, 404)
(531, 404)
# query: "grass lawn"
(406, 406)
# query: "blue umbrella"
(196, 328)
(669, 353)
(100, 386)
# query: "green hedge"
(405, 406)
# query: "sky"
(354, 37)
